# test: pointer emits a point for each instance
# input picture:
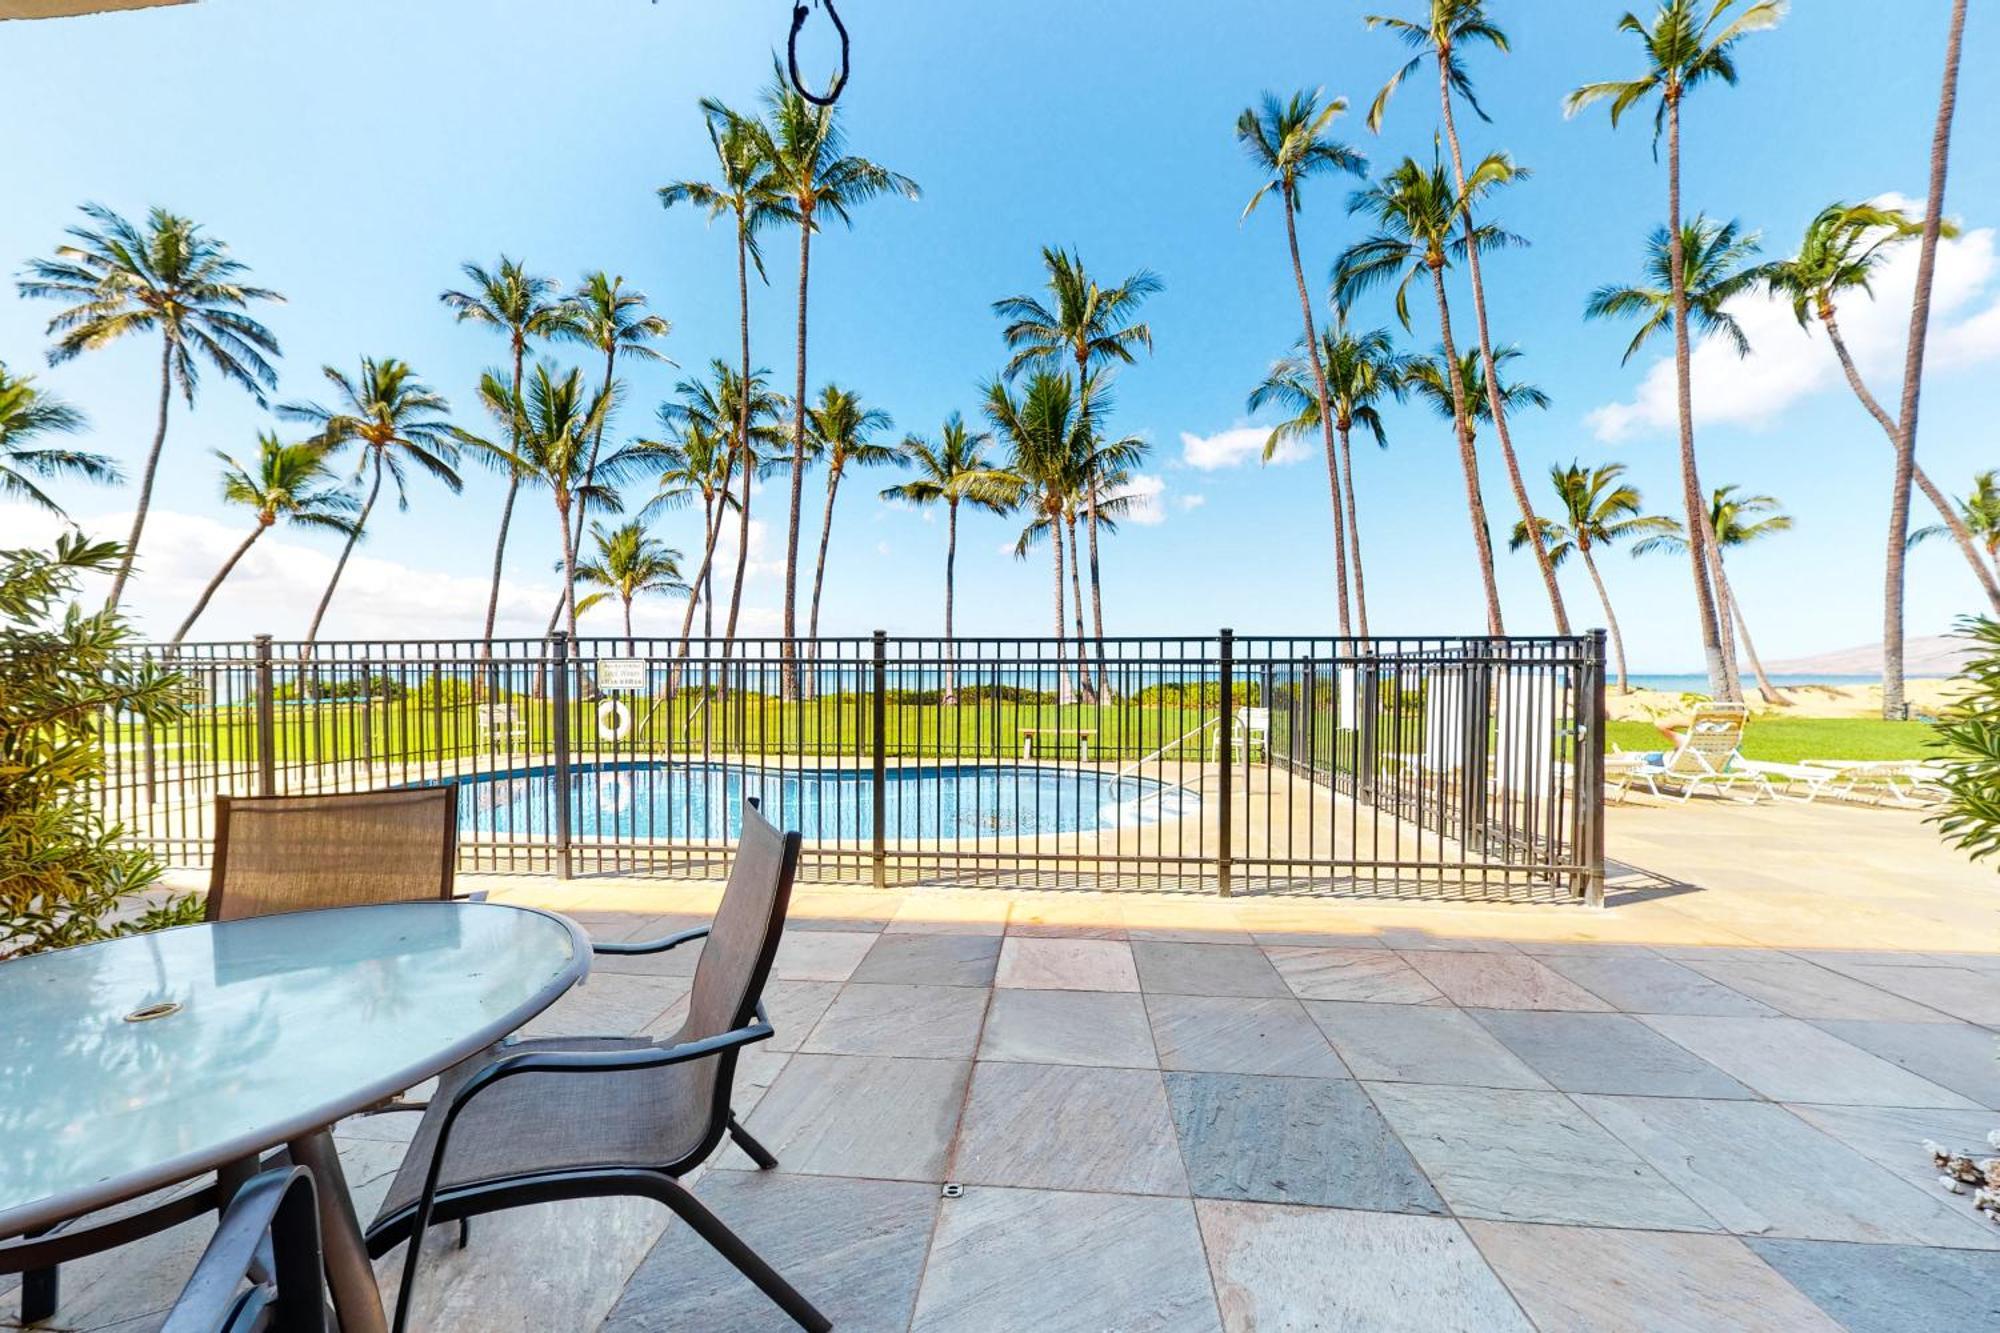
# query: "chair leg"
(752, 1149)
(39, 1292)
(731, 1247)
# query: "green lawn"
(1790, 739)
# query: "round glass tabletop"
(138, 1062)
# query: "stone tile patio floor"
(1290, 1114)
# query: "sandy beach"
(1926, 697)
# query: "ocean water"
(1697, 683)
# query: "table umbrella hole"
(147, 1013)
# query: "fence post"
(559, 736)
(879, 725)
(1590, 775)
(1225, 749)
(267, 738)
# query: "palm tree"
(1089, 326)
(1843, 245)
(288, 481)
(1716, 267)
(952, 472)
(168, 277)
(1913, 374)
(743, 191)
(1417, 213)
(694, 461)
(1288, 144)
(713, 406)
(1361, 370)
(805, 152)
(26, 414)
(1978, 514)
(1045, 431)
(1598, 509)
(526, 306)
(397, 421)
(559, 418)
(1687, 44)
(1449, 27)
(1104, 472)
(613, 321)
(629, 565)
(1425, 377)
(1733, 520)
(840, 430)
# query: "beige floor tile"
(1501, 981)
(1371, 975)
(1067, 964)
(1065, 1127)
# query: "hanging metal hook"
(832, 94)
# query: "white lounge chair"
(1705, 759)
(1913, 784)
(1249, 731)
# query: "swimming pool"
(701, 801)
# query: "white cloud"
(278, 584)
(1143, 494)
(882, 548)
(1788, 363)
(1189, 503)
(1234, 447)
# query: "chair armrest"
(649, 946)
(213, 1296)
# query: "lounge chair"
(595, 1117)
(1706, 759)
(1912, 784)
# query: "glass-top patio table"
(142, 1062)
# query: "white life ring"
(614, 720)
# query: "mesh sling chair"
(592, 1117)
(279, 1207)
(296, 853)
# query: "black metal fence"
(1460, 767)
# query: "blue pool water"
(691, 800)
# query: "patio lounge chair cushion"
(551, 1122)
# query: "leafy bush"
(342, 687)
(64, 876)
(1969, 730)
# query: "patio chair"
(278, 1207)
(571, 1118)
(1249, 730)
(1705, 759)
(346, 849)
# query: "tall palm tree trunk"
(1725, 627)
(1913, 373)
(1720, 673)
(1353, 534)
(742, 427)
(628, 622)
(146, 480)
(340, 565)
(228, 566)
(589, 476)
(1610, 619)
(1494, 398)
(703, 573)
(506, 508)
(1096, 589)
(950, 576)
(825, 539)
(1771, 693)
(1076, 594)
(1468, 460)
(1325, 416)
(569, 563)
(1953, 521)
(789, 677)
(1065, 688)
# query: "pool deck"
(1697, 1109)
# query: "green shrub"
(64, 876)
(1969, 731)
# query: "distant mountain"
(1923, 655)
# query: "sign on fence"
(621, 673)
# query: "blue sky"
(356, 153)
